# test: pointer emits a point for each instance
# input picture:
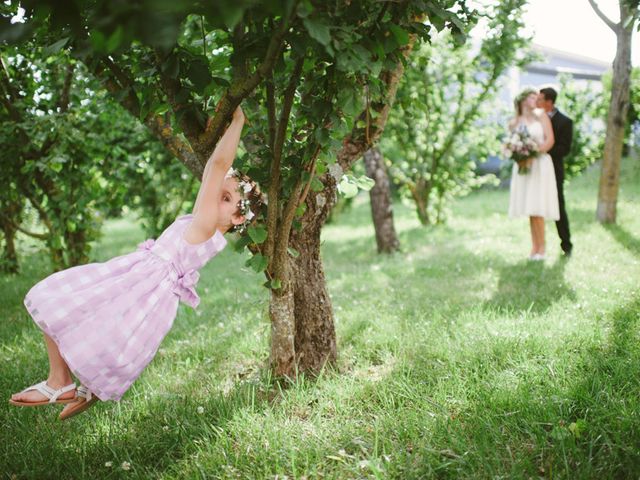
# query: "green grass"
(457, 359)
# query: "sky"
(573, 26)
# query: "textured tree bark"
(281, 314)
(381, 206)
(315, 336)
(76, 248)
(420, 193)
(57, 257)
(8, 224)
(616, 118)
(9, 262)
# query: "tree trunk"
(8, 222)
(9, 261)
(616, 119)
(315, 336)
(76, 247)
(420, 193)
(281, 314)
(57, 258)
(381, 206)
(440, 209)
(303, 337)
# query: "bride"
(534, 194)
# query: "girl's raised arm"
(205, 211)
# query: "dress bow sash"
(184, 285)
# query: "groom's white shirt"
(551, 113)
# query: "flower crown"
(525, 93)
(245, 187)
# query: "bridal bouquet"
(521, 148)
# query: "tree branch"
(278, 144)
(15, 226)
(604, 18)
(184, 111)
(116, 82)
(8, 91)
(271, 111)
(41, 211)
(63, 104)
(355, 144)
(238, 91)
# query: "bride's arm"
(549, 139)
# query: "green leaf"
(322, 136)
(55, 47)
(198, 73)
(347, 188)
(161, 108)
(275, 284)
(293, 252)
(316, 185)
(258, 234)
(365, 183)
(171, 66)
(241, 243)
(401, 36)
(304, 9)
(232, 13)
(115, 39)
(301, 209)
(318, 30)
(258, 262)
(98, 40)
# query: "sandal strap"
(84, 392)
(49, 392)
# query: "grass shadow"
(530, 416)
(155, 435)
(531, 287)
(624, 238)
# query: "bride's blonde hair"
(517, 102)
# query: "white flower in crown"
(231, 173)
(249, 215)
(245, 186)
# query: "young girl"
(105, 321)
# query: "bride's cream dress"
(535, 193)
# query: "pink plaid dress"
(108, 319)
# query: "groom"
(563, 134)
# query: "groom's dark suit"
(563, 134)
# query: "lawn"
(458, 358)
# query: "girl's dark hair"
(517, 102)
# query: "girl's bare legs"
(59, 375)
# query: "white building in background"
(554, 63)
